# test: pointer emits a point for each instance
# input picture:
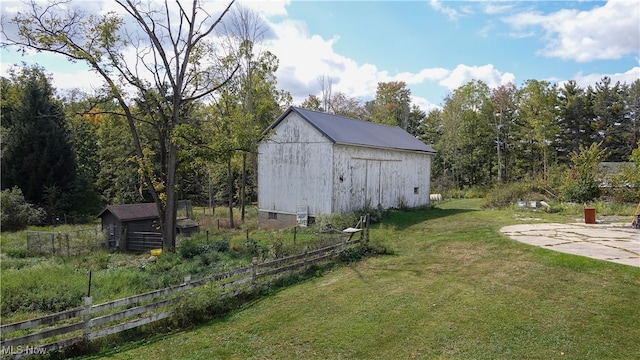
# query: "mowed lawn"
(455, 288)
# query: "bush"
(327, 222)
(219, 245)
(504, 195)
(16, 213)
(357, 253)
(280, 250)
(188, 249)
(376, 214)
(255, 249)
(199, 306)
(582, 190)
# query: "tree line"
(508, 134)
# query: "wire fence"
(67, 243)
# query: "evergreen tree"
(37, 153)
(611, 128)
(574, 120)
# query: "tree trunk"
(243, 185)
(230, 186)
(169, 226)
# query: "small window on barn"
(416, 190)
(273, 216)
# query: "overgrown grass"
(34, 286)
(454, 287)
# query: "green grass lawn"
(454, 288)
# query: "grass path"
(455, 288)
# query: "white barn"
(315, 162)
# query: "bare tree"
(244, 29)
(160, 54)
(325, 86)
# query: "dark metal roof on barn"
(132, 212)
(344, 130)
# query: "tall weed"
(45, 287)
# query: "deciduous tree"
(171, 66)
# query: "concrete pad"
(591, 250)
(538, 241)
(612, 242)
(628, 261)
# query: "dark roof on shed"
(132, 212)
(344, 130)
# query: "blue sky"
(434, 46)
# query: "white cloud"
(430, 74)
(585, 80)
(268, 7)
(10, 9)
(451, 13)
(493, 8)
(462, 74)
(602, 33)
(304, 57)
(424, 104)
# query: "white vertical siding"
(295, 168)
(368, 177)
(298, 165)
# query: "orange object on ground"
(589, 215)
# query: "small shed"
(311, 162)
(132, 227)
(136, 227)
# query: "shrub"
(357, 253)
(581, 184)
(188, 249)
(352, 254)
(16, 213)
(200, 305)
(581, 190)
(504, 195)
(326, 222)
(281, 250)
(376, 214)
(255, 249)
(222, 245)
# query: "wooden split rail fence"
(89, 322)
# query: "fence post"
(68, 246)
(254, 270)
(295, 232)
(305, 250)
(53, 244)
(86, 317)
(367, 236)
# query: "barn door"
(365, 183)
(372, 197)
(358, 188)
